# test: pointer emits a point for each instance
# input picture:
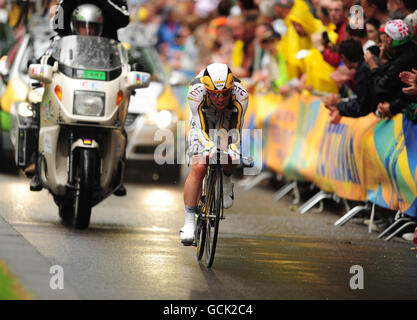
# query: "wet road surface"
(265, 251)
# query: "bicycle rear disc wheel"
(214, 207)
(200, 235)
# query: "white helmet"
(87, 19)
(217, 77)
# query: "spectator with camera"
(399, 49)
(338, 16)
(351, 53)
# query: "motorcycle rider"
(86, 19)
(115, 16)
(217, 101)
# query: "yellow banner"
(358, 159)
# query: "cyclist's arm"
(198, 123)
(241, 104)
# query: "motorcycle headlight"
(90, 104)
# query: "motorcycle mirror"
(41, 72)
(136, 80)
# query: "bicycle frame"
(212, 170)
(210, 209)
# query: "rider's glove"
(234, 152)
(209, 149)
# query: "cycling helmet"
(217, 78)
(87, 19)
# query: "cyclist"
(217, 100)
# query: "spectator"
(190, 16)
(316, 4)
(317, 74)
(248, 38)
(410, 79)
(151, 21)
(387, 83)
(350, 3)
(223, 46)
(204, 8)
(408, 6)
(395, 10)
(168, 30)
(304, 22)
(183, 56)
(338, 16)
(372, 27)
(411, 21)
(376, 9)
(361, 36)
(351, 53)
(323, 12)
(302, 25)
(274, 67)
(247, 7)
(260, 31)
(223, 11)
(241, 57)
(281, 9)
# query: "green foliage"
(7, 291)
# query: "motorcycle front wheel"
(85, 177)
(66, 212)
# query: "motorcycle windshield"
(89, 53)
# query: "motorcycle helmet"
(87, 20)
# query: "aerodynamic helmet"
(217, 77)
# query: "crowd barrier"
(363, 159)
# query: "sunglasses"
(219, 94)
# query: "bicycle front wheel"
(214, 208)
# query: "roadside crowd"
(358, 55)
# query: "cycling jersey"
(204, 116)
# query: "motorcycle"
(81, 145)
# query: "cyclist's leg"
(192, 194)
(228, 196)
(193, 184)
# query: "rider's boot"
(35, 183)
(121, 191)
(227, 192)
